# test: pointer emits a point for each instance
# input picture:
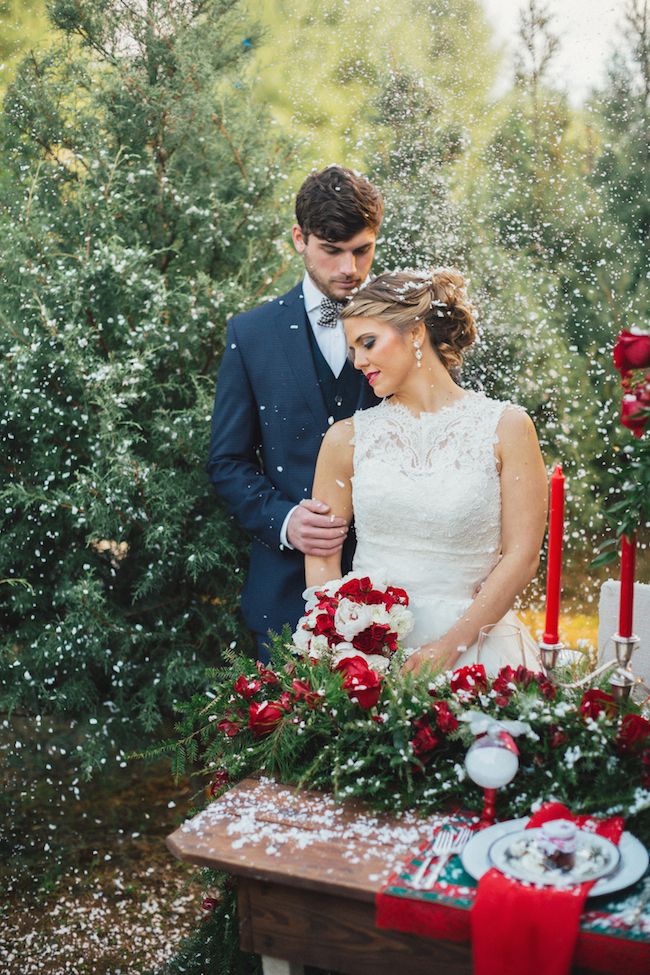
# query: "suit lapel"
(293, 324)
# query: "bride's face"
(384, 355)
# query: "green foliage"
(327, 741)
(140, 212)
(214, 945)
(324, 63)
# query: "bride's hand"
(432, 657)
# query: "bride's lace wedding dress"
(427, 507)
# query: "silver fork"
(456, 845)
(442, 842)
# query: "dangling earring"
(418, 353)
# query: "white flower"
(352, 618)
(400, 620)
(318, 646)
(302, 637)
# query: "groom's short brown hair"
(337, 203)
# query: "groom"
(284, 378)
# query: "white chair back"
(608, 625)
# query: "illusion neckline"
(444, 410)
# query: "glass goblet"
(501, 643)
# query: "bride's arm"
(523, 520)
(332, 484)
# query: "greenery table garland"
(399, 743)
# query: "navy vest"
(340, 393)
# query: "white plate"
(634, 857)
(500, 856)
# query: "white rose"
(301, 637)
(351, 618)
(318, 646)
(401, 620)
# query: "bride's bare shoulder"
(340, 435)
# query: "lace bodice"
(427, 503)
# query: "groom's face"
(337, 267)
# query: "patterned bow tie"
(330, 312)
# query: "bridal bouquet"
(353, 617)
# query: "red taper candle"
(554, 564)
(626, 604)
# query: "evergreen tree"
(324, 63)
(23, 25)
(140, 213)
(440, 211)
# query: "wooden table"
(308, 870)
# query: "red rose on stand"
(469, 681)
(632, 734)
(265, 717)
(246, 688)
(632, 351)
(595, 702)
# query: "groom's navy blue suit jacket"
(268, 423)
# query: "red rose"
(394, 595)
(445, 720)
(364, 687)
(374, 638)
(631, 352)
(246, 688)
(220, 779)
(633, 732)
(303, 692)
(557, 737)
(353, 666)
(634, 407)
(265, 717)
(267, 676)
(228, 727)
(424, 741)
(209, 903)
(595, 701)
(361, 591)
(324, 624)
(469, 681)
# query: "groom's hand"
(314, 531)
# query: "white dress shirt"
(332, 343)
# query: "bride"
(447, 487)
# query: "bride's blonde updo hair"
(437, 298)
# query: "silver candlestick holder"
(621, 681)
(548, 655)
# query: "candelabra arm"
(608, 665)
